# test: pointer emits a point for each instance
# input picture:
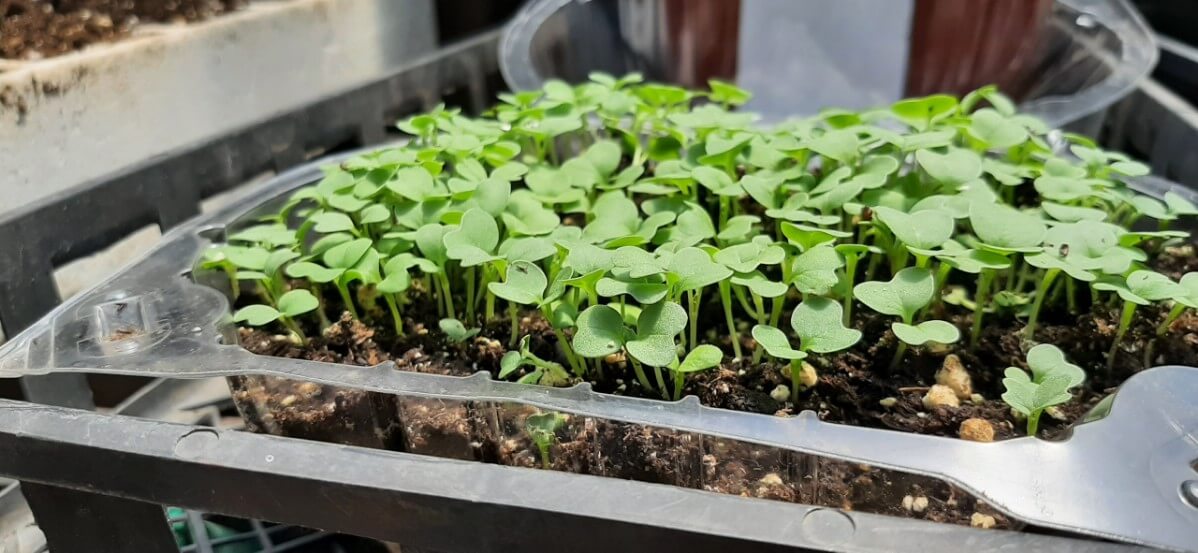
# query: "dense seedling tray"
(942, 266)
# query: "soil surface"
(35, 29)
(854, 387)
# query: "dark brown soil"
(854, 387)
(35, 29)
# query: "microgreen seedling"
(290, 305)
(1181, 302)
(544, 372)
(1052, 377)
(1139, 288)
(542, 430)
(817, 324)
(904, 296)
(457, 332)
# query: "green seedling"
(472, 244)
(544, 372)
(1049, 384)
(457, 332)
(397, 280)
(1004, 231)
(1053, 265)
(654, 343)
(817, 324)
(290, 305)
(1139, 288)
(525, 285)
(688, 272)
(542, 430)
(1181, 302)
(904, 296)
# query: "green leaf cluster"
(649, 226)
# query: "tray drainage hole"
(195, 443)
(829, 526)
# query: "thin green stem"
(776, 313)
(759, 303)
(1033, 423)
(1174, 313)
(396, 317)
(693, 299)
(726, 299)
(979, 310)
(796, 378)
(1029, 332)
(661, 383)
(850, 272)
(447, 294)
(324, 319)
(1125, 317)
(640, 374)
(872, 269)
(941, 278)
(514, 312)
(347, 300)
(739, 292)
(761, 319)
(470, 295)
(576, 364)
(898, 355)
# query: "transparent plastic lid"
(1062, 60)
